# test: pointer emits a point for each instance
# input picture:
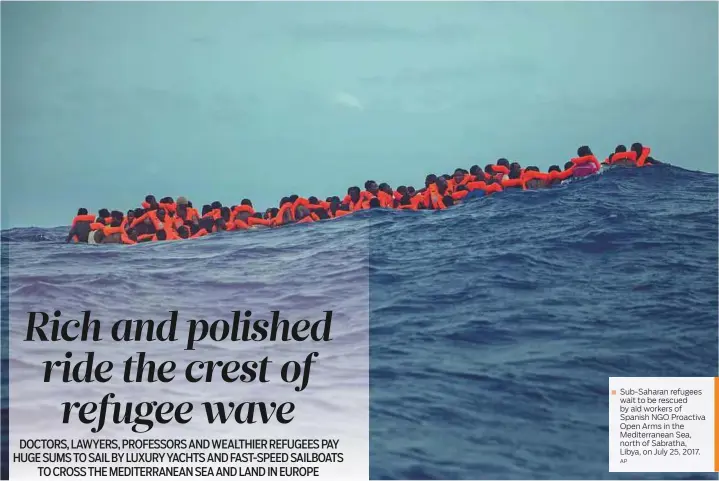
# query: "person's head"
(206, 209)
(554, 168)
(116, 214)
(293, 198)
(82, 211)
(246, 202)
(429, 180)
(183, 232)
(189, 204)
(637, 147)
(150, 199)
(103, 213)
(166, 200)
(371, 186)
(503, 162)
(181, 201)
(448, 201)
(313, 200)
(441, 183)
(620, 148)
(354, 193)
(384, 187)
(284, 200)
(273, 212)
(568, 165)
(583, 151)
(532, 168)
(216, 205)
(161, 213)
(515, 173)
(405, 200)
(411, 190)
(139, 212)
(130, 216)
(374, 203)
(225, 212)
(489, 170)
(115, 222)
(181, 210)
(161, 235)
(475, 170)
(458, 175)
(321, 214)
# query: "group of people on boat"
(173, 219)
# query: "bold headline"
(144, 415)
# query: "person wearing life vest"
(477, 173)
(354, 199)
(385, 195)
(150, 203)
(80, 228)
(534, 179)
(585, 163)
(621, 157)
(642, 154)
(514, 179)
(434, 195)
(185, 213)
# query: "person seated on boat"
(80, 228)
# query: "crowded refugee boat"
(174, 219)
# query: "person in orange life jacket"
(434, 194)
(207, 221)
(353, 198)
(477, 172)
(103, 216)
(385, 194)
(619, 149)
(150, 203)
(271, 213)
(374, 203)
(183, 212)
(371, 189)
(534, 183)
(643, 155)
(585, 163)
(503, 163)
(553, 178)
(400, 192)
(80, 229)
(429, 180)
(460, 177)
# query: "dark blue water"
(494, 325)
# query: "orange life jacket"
(617, 156)
(641, 161)
(255, 221)
(585, 160)
(509, 183)
(83, 218)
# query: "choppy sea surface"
(494, 325)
